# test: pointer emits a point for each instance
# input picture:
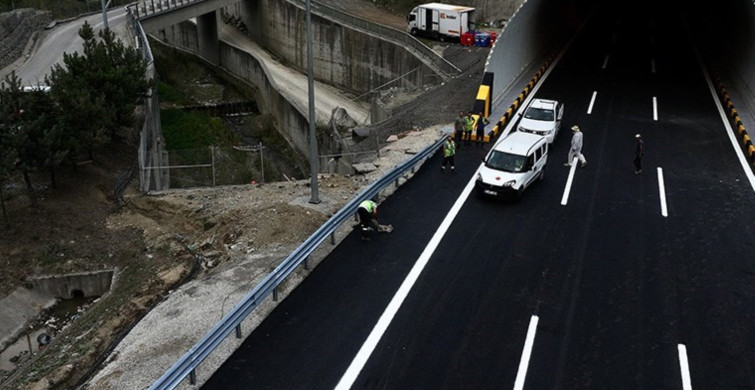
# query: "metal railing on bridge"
(146, 8)
(189, 362)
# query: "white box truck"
(440, 21)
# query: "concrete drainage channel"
(32, 315)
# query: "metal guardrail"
(187, 364)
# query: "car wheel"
(414, 32)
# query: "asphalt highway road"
(596, 279)
(63, 38)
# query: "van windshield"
(540, 114)
(503, 161)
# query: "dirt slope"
(158, 241)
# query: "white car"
(542, 117)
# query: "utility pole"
(104, 12)
(313, 163)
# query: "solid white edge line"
(684, 367)
(524, 362)
(569, 180)
(655, 108)
(356, 366)
(662, 190)
(729, 130)
(592, 102)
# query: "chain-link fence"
(214, 166)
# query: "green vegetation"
(193, 130)
(91, 97)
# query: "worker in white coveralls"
(576, 148)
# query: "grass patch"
(185, 130)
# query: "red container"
(493, 36)
(467, 39)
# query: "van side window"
(530, 161)
(538, 153)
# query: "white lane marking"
(356, 366)
(684, 366)
(592, 102)
(567, 190)
(652, 65)
(605, 61)
(524, 362)
(662, 190)
(729, 131)
(655, 108)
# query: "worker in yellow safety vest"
(367, 212)
(449, 151)
(468, 128)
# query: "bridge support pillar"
(207, 36)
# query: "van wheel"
(414, 32)
(542, 175)
(519, 192)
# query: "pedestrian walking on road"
(576, 148)
(459, 124)
(449, 152)
(481, 123)
(639, 152)
(468, 128)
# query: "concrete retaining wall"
(84, 284)
(536, 31)
(343, 57)
(16, 28)
(292, 120)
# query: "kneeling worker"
(367, 211)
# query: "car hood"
(496, 177)
(536, 125)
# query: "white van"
(513, 164)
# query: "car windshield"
(539, 114)
(503, 161)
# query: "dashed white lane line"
(655, 108)
(592, 102)
(524, 362)
(684, 367)
(662, 191)
(356, 366)
(652, 65)
(567, 189)
(605, 61)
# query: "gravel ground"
(254, 229)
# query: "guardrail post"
(333, 238)
(397, 181)
(193, 377)
(306, 263)
(153, 6)
(238, 331)
(275, 293)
